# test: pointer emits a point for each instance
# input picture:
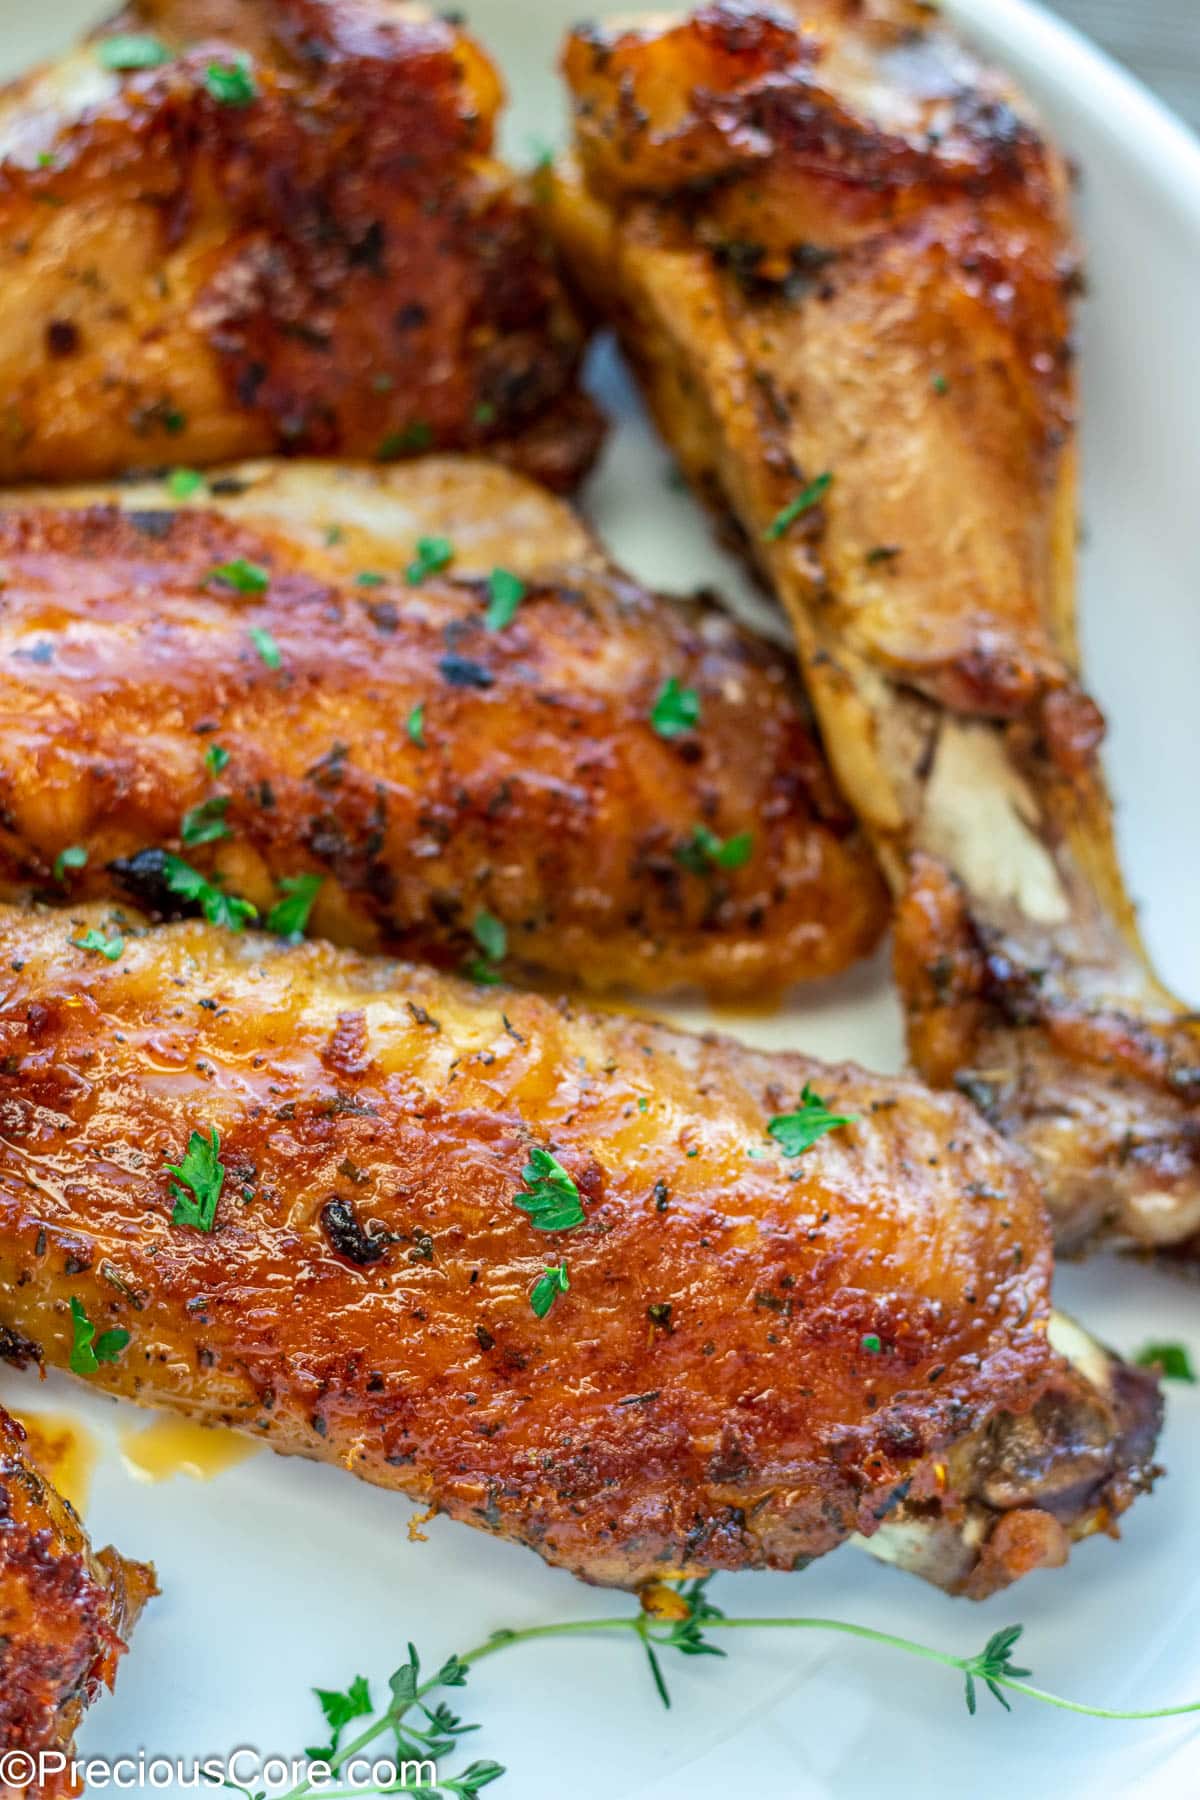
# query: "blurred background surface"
(1158, 39)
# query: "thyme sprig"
(671, 1619)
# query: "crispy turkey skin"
(756, 1357)
(65, 1609)
(433, 771)
(290, 234)
(838, 250)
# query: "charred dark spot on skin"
(144, 878)
(17, 1349)
(346, 1235)
(462, 671)
(62, 338)
(152, 524)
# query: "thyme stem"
(687, 1632)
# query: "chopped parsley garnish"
(218, 908)
(1173, 1359)
(88, 1351)
(231, 84)
(940, 385)
(266, 646)
(246, 577)
(431, 555)
(489, 933)
(811, 496)
(134, 50)
(549, 1196)
(414, 725)
(73, 857)
(505, 593)
(798, 1131)
(369, 578)
(676, 710)
(871, 1342)
(182, 484)
(202, 1173)
(704, 850)
(96, 940)
(205, 823)
(417, 436)
(216, 759)
(549, 1285)
(289, 916)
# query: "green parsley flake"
(231, 84)
(184, 484)
(492, 938)
(73, 857)
(804, 502)
(245, 577)
(203, 1173)
(216, 759)
(96, 940)
(549, 1285)
(676, 710)
(88, 1351)
(549, 1196)
(505, 593)
(490, 935)
(432, 555)
(266, 646)
(704, 850)
(871, 1343)
(369, 578)
(205, 823)
(289, 917)
(796, 1132)
(218, 908)
(1172, 1359)
(414, 725)
(417, 436)
(135, 50)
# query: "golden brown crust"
(65, 1610)
(838, 248)
(337, 265)
(754, 1354)
(539, 793)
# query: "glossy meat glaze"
(756, 1357)
(837, 247)
(433, 770)
(290, 234)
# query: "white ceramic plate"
(278, 1576)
